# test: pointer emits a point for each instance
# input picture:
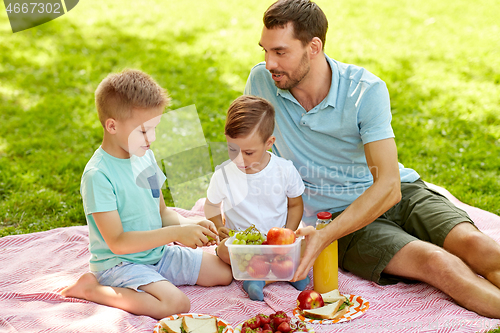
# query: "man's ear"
(270, 142)
(315, 47)
(110, 125)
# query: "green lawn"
(443, 76)
(440, 59)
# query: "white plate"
(226, 328)
(359, 307)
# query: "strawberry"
(247, 330)
(284, 327)
(264, 319)
(253, 322)
(266, 327)
(278, 320)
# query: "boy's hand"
(211, 226)
(223, 233)
(196, 235)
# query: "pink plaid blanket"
(35, 267)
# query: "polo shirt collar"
(331, 98)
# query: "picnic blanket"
(34, 268)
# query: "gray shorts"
(179, 265)
(422, 214)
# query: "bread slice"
(332, 296)
(199, 325)
(340, 313)
(172, 326)
(324, 312)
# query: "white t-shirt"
(259, 198)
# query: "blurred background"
(440, 60)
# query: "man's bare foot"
(81, 288)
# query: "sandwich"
(336, 306)
(171, 326)
(332, 296)
(199, 325)
(190, 325)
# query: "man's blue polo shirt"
(326, 143)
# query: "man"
(333, 122)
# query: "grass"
(440, 60)
(443, 77)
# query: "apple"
(280, 236)
(258, 266)
(282, 266)
(309, 299)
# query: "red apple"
(309, 299)
(282, 266)
(258, 266)
(280, 236)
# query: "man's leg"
(423, 261)
(476, 249)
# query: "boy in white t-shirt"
(254, 186)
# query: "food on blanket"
(190, 325)
(332, 296)
(332, 310)
(276, 322)
(282, 266)
(280, 236)
(258, 266)
(250, 236)
(310, 299)
(199, 325)
(171, 326)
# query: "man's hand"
(315, 243)
(223, 233)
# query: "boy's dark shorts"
(421, 214)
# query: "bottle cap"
(324, 215)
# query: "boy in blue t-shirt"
(129, 223)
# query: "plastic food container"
(264, 262)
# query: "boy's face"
(286, 58)
(134, 135)
(249, 153)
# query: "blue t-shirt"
(130, 186)
(326, 144)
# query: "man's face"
(286, 58)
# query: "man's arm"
(381, 157)
(295, 210)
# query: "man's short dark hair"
(307, 18)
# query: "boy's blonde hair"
(247, 113)
(119, 93)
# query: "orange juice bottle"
(326, 269)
